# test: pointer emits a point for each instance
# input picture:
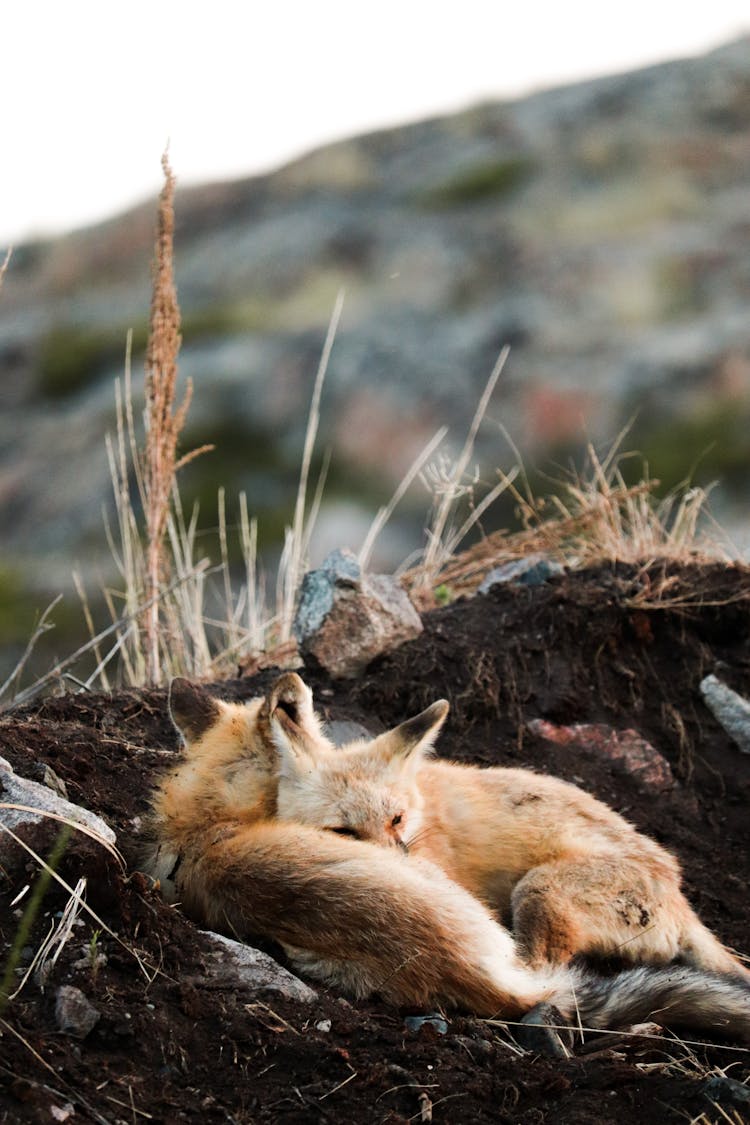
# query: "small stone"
(74, 1013)
(416, 1023)
(729, 709)
(62, 1112)
(323, 1025)
(44, 774)
(475, 1047)
(534, 570)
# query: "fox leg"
(699, 947)
(602, 906)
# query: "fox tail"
(676, 996)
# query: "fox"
(567, 874)
(351, 914)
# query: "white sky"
(92, 91)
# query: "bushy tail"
(676, 996)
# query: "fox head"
(231, 757)
(367, 790)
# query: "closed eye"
(342, 830)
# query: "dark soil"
(170, 1046)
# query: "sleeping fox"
(350, 913)
(568, 874)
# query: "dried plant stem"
(163, 425)
(55, 672)
(439, 544)
(30, 912)
(164, 420)
(295, 547)
(42, 627)
(385, 513)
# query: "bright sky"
(93, 90)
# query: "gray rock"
(345, 618)
(340, 570)
(530, 571)
(343, 731)
(727, 1092)
(730, 709)
(38, 801)
(254, 970)
(74, 1014)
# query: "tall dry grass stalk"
(164, 421)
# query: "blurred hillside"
(603, 230)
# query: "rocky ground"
(177, 1041)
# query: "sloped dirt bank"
(599, 646)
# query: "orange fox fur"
(567, 873)
(350, 913)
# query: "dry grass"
(591, 515)
(447, 481)
(48, 871)
(160, 624)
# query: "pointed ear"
(295, 728)
(411, 739)
(192, 709)
(290, 702)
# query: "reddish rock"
(627, 749)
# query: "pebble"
(74, 1013)
(415, 1023)
(534, 570)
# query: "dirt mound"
(606, 646)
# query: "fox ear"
(409, 740)
(192, 709)
(295, 728)
(290, 704)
